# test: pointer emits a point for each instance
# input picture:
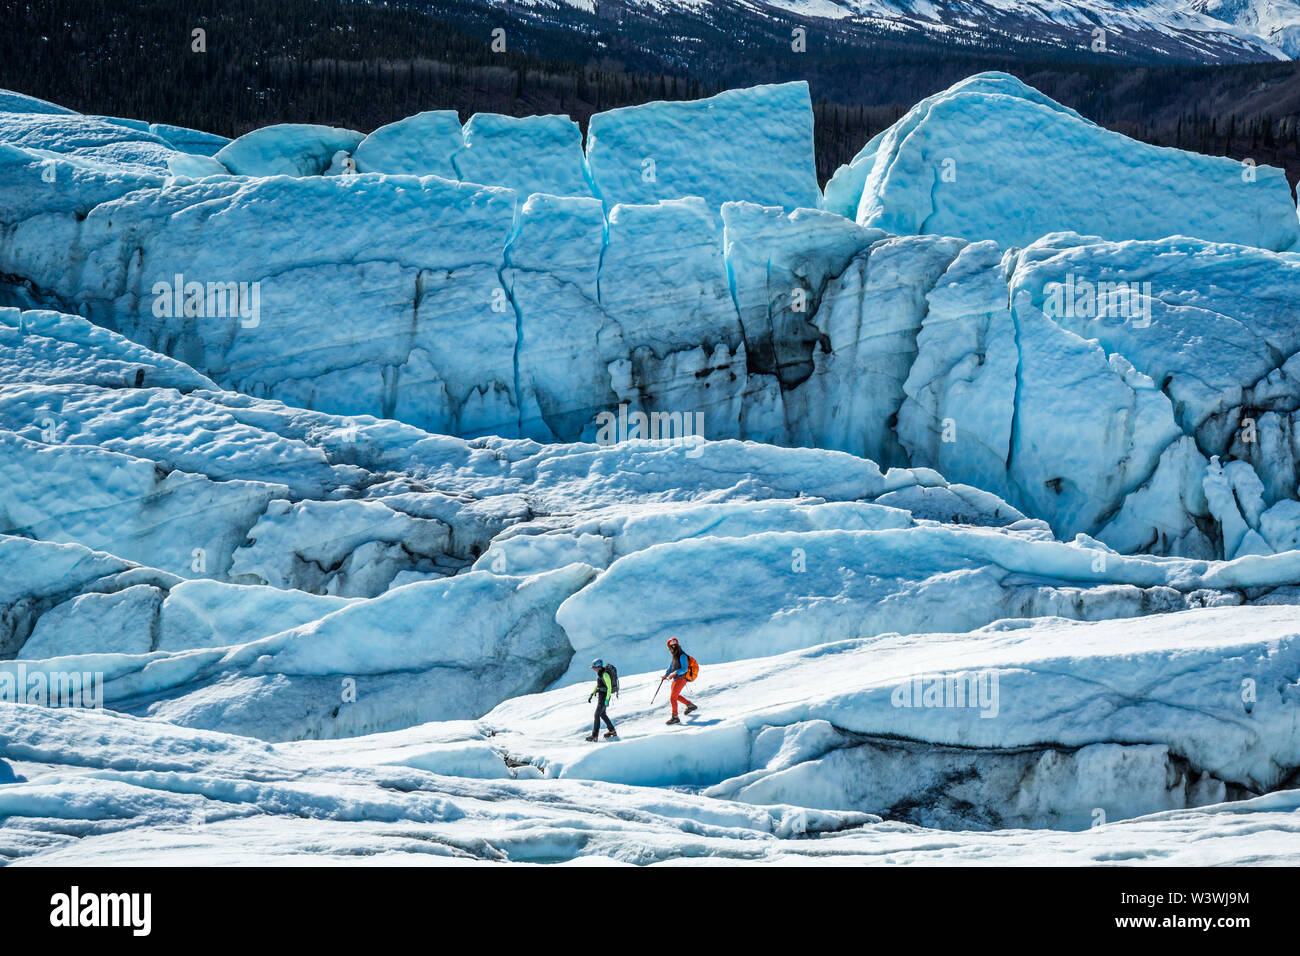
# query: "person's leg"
(678, 684)
(595, 722)
(605, 717)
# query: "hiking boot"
(610, 735)
(673, 719)
(593, 738)
(691, 707)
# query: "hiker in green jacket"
(603, 692)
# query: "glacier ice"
(289, 149)
(529, 154)
(843, 193)
(945, 169)
(425, 144)
(12, 102)
(93, 141)
(305, 455)
(193, 141)
(754, 144)
(767, 324)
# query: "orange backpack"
(692, 668)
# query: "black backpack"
(612, 671)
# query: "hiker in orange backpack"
(682, 669)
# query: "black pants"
(601, 715)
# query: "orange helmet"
(672, 642)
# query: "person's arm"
(609, 686)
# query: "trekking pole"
(652, 699)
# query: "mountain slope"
(1277, 21)
(1147, 31)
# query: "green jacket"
(603, 685)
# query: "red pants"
(678, 684)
